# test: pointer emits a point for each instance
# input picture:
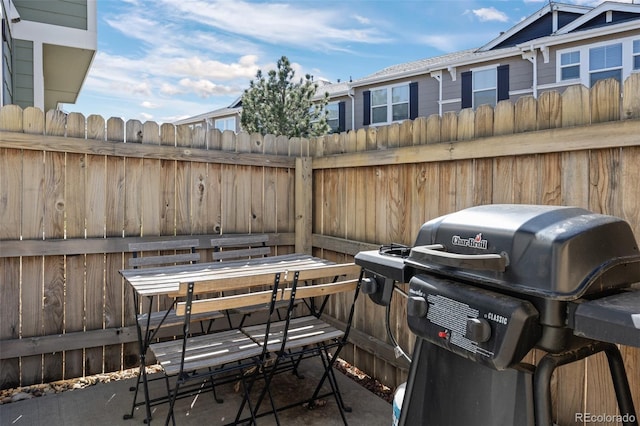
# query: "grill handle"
(479, 262)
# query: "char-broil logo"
(474, 242)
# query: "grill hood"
(554, 252)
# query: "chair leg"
(135, 395)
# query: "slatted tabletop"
(166, 280)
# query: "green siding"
(64, 13)
(7, 65)
(23, 73)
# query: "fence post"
(303, 204)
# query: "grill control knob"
(417, 306)
(478, 330)
(369, 285)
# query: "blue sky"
(163, 60)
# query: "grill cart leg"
(546, 367)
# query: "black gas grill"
(488, 284)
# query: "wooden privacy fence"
(74, 191)
(387, 182)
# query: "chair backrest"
(160, 253)
(240, 246)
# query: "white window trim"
(225, 120)
(389, 104)
(473, 89)
(561, 67)
(585, 73)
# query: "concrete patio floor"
(105, 404)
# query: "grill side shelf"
(613, 319)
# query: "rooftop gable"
(539, 24)
(607, 13)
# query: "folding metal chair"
(294, 339)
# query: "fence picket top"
(55, 123)
(526, 114)
(133, 131)
(631, 98)
(75, 125)
(575, 106)
(433, 129)
(503, 116)
(449, 127)
(466, 124)
(151, 133)
(115, 129)
(605, 101)
(11, 118)
(549, 110)
(484, 121)
(95, 127)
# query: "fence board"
(484, 121)
(526, 114)
(74, 287)
(503, 116)
(605, 101)
(466, 124)
(549, 110)
(575, 106)
(449, 127)
(631, 98)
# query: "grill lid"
(554, 252)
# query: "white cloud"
(277, 23)
(485, 14)
(445, 43)
(150, 105)
(362, 20)
(205, 88)
(245, 68)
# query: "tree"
(277, 105)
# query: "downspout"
(532, 57)
(438, 76)
(350, 93)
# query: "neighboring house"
(558, 46)
(47, 50)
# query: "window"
(605, 62)
(228, 123)
(485, 87)
(636, 54)
(333, 117)
(389, 104)
(570, 65)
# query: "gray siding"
(23, 73)
(64, 13)
(428, 89)
(520, 74)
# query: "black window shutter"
(503, 82)
(467, 89)
(413, 100)
(342, 122)
(366, 105)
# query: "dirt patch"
(364, 380)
